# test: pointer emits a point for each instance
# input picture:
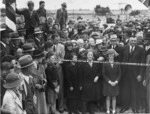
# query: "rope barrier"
(119, 63)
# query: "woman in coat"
(39, 79)
(72, 85)
(146, 82)
(112, 74)
(89, 82)
(12, 102)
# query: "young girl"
(112, 74)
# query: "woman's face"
(74, 58)
(90, 56)
(69, 48)
(52, 59)
(111, 57)
(99, 46)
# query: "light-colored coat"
(12, 103)
(59, 51)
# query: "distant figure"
(62, 16)
(31, 18)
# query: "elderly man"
(62, 16)
(131, 75)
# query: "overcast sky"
(82, 4)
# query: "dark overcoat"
(111, 74)
(72, 80)
(90, 90)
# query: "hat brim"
(24, 51)
(14, 84)
(40, 32)
(27, 65)
(38, 56)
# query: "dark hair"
(41, 2)
(54, 36)
(30, 3)
(72, 55)
(49, 54)
(48, 45)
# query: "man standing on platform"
(62, 16)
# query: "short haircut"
(30, 3)
(41, 2)
(54, 36)
(49, 54)
(48, 45)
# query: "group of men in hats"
(33, 70)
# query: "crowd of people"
(62, 65)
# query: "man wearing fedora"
(62, 15)
(28, 97)
(5, 42)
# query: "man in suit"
(116, 47)
(31, 18)
(62, 16)
(59, 52)
(42, 11)
(131, 75)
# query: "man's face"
(56, 40)
(31, 7)
(70, 25)
(66, 33)
(64, 7)
(133, 41)
(42, 5)
(113, 42)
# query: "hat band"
(13, 80)
(23, 65)
(40, 54)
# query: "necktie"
(132, 49)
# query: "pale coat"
(12, 103)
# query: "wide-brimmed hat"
(99, 41)
(38, 54)
(28, 47)
(13, 80)
(25, 61)
(112, 51)
(15, 36)
(37, 30)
